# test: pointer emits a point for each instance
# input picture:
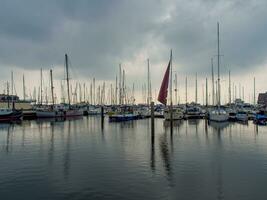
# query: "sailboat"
(8, 114)
(171, 113)
(70, 111)
(49, 111)
(218, 114)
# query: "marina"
(77, 159)
(133, 100)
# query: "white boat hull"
(49, 114)
(218, 117)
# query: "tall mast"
(212, 76)
(52, 87)
(67, 71)
(123, 87)
(171, 114)
(80, 92)
(24, 93)
(133, 94)
(91, 93)
(94, 99)
(84, 92)
(254, 92)
(116, 91)
(196, 90)
(186, 90)
(219, 86)
(207, 92)
(41, 87)
(230, 100)
(111, 94)
(147, 81)
(171, 79)
(7, 90)
(120, 84)
(12, 84)
(176, 91)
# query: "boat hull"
(13, 116)
(73, 113)
(122, 118)
(218, 117)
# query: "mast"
(207, 92)
(84, 92)
(94, 99)
(12, 84)
(219, 86)
(123, 87)
(254, 92)
(196, 90)
(176, 96)
(24, 93)
(213, 89)
(120, 84)
(186, 90)
(111, 94)
(133, 95)
(116, 91)
(41, 87)
(52, 87)
(171, 79)
(229, 89)
(91, 93)
(7, 90)
(171, 110)
(149, 95)
(68, 84)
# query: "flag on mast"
(163, 93)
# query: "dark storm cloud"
(98, 35)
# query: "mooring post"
(102, 117)
(152, 119)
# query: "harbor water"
(77, 159)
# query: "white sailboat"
(218, 114)
(49, 111)
(70, 111)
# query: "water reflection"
(196, 159)
(176, 123)
(66, 157)
(152, 154)
(51, 149)
(166, 157)
(219, 125)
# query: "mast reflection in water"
(76, 159)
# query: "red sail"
(163, 93)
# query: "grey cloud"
(98, 35)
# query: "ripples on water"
(77, 160)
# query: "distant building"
(262, 99)
(6, 98)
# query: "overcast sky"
(100, 34)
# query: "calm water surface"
(77, 160)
